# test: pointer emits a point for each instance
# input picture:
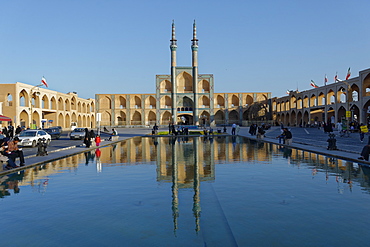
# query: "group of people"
(10, 151)
(172, 130)
(89, 137)
(285, 137)
(258, 131)
(9, 132)
(235, 129)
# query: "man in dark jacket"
(288, 137)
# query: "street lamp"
(31, 93)
(348, 98)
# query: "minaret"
(194, 48)
(173, 48)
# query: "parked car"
(54, 132)
(31, 137)
(77, 134)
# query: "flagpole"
(31, 93)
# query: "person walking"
(363, 130)
(233, 128)
(87, 140)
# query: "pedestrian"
(114, 132)
(169, 128)
(233, 128)
(281, 138)
(155, 129)
(13, 151)
(363, 130)
(5, 159)
(329, 127)
(97, 140)
(251, 129)
(87, 140)
(288, 137)
(11, 131)
(92, 135)
(237, 129)
(260, 133)
(339, 127)
(255, 127)
(5, 132)
(365, 153)
(18, 130)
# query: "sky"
(118, 46)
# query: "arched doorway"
(185, 119)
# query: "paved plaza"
(309, 139)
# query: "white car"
(31, 137)
(77, 134)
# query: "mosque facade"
(184, 97)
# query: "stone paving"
(309, 139)
(315, 140)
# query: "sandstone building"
(183, 96)
(36, 107)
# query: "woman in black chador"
(87, 139)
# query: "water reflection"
(186, 162)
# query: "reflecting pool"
(223, 191)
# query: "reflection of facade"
(185, 163)
(30, 106)
(326, 103)
(183, 96)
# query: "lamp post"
(31, 93)
(348, 98)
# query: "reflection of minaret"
(196, 198)
(175, 187)
(194, 48)
(173, 48)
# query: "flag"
(314, 84)
(348, 73)
(336, 77)
(43, 80)
(326, 79)
(287, 92)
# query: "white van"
(73, 125)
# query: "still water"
(188, 192)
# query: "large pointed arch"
(234, 117)
(121, 118)
(184, 83)
(166, 118)
(136, 118)
(152, 118)
(150, 103)
(219, 117)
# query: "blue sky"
(113, 46)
